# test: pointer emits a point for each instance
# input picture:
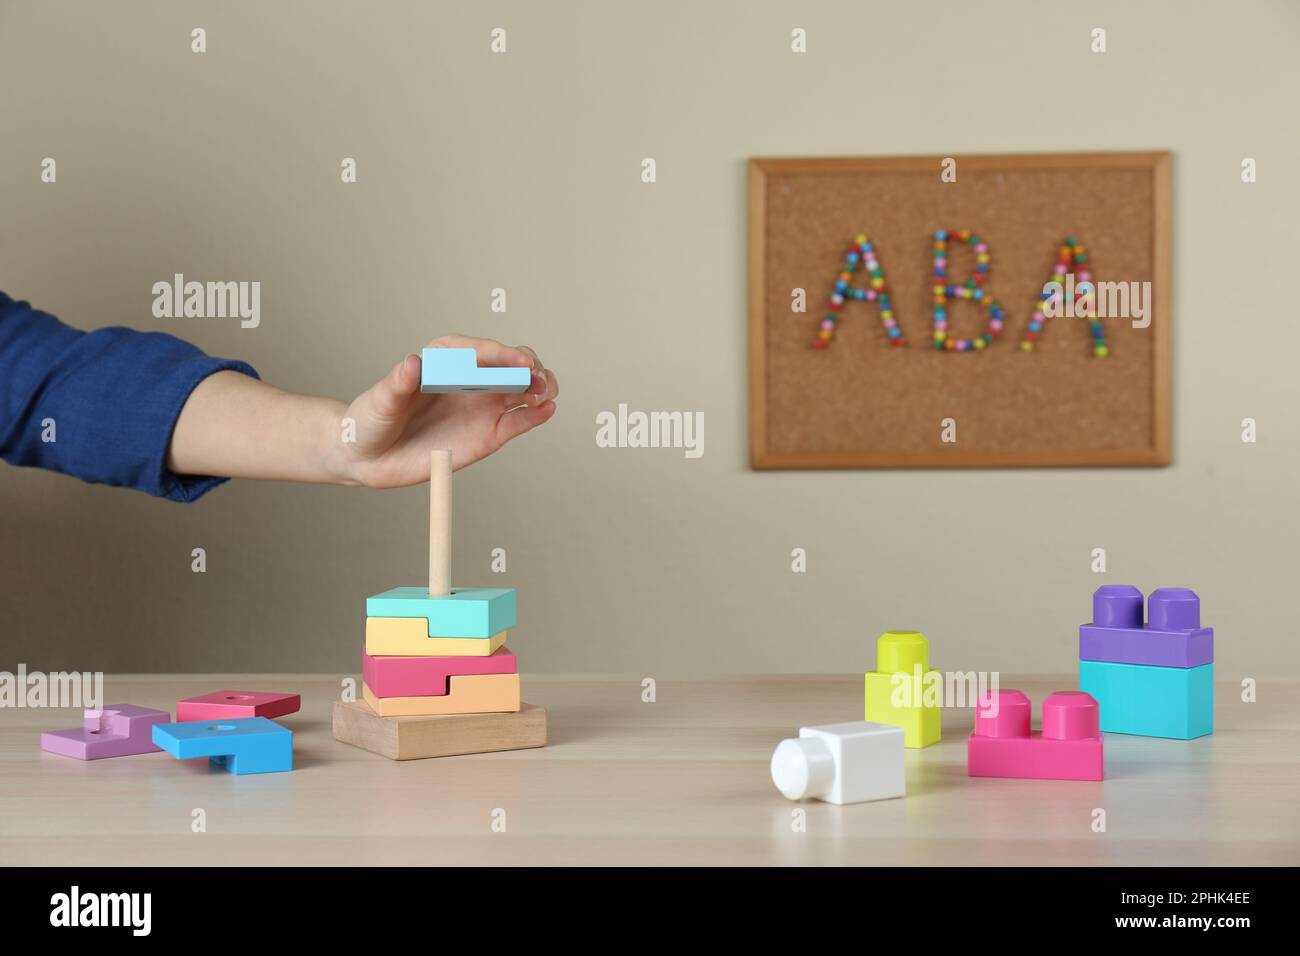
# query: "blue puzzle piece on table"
(443, 371)
(465, 612)
(241, 745)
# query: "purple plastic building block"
(1172, 636)
(119, 730)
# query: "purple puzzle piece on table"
(119, 730)
(1171, 637)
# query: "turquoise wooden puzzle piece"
(443, 371)
(1151, 701)
(241, 745)
(465, 612)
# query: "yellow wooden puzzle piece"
(409, 637)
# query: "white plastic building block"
(841, 763)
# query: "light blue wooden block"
(456, 370)
(1151, 701)
(241, 744)
(466, 612)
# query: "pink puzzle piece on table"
(119, 730)
(225, 704)
(428, 676)
(1069, 747)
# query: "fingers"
(491, 353)
(549, 389)
(544, 386)
(523, 419)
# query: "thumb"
(384, 408)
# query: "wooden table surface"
(683, 780)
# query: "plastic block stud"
(1068, 748)
(896, 691)
(841, 763)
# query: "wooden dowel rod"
(440, 523)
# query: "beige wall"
(522, 171)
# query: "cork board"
(862, 404)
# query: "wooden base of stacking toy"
(414, 738)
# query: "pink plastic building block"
(119, 730)
(1069, 747)
(428, 676)
(229, 704)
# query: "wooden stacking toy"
(437, 678)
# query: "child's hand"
(397, 425)
(235, 426)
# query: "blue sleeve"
(98, 405)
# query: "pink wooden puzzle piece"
(224, 704)
(1069, 747)
(428, 676)
(119, 730)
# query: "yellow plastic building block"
(409, 637)
(903, 691)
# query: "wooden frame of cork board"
(862, 404)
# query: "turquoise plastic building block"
(466, 612)
(443, 371)
(240, 744)
(1151, 701)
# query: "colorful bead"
(1071, 255)
(861, 256)
(971, 289)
